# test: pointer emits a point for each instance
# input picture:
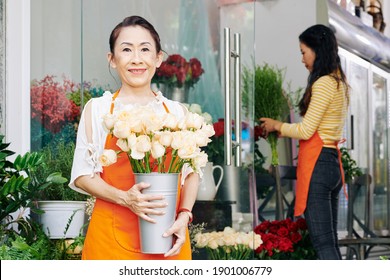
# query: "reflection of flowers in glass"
(176, 71)
(157, 143)
(197, 109)
(50, 105)
(228, 244)
(285, 239)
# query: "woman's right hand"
(144, 205)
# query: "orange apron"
(309, 151)
(113, 232)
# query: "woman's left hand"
(178, 229)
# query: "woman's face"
(308, 56)
(135, 57)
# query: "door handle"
(231, 145)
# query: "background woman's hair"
(322, 41)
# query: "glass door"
(357, 127)
(380, 134)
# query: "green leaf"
(56, 178)
(13, 185)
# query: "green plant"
(351, 170)
(40, 247)
(270, 100)
(58, 157)
(19, 184)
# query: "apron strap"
(341, 167)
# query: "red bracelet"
(189, 213)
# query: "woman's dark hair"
(322, 41)
(134, 21)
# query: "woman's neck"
(142, 96)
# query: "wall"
(17, 109)
(2, 67)
(63, 53)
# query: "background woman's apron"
(309, 151)
(113, 232)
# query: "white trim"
(17, 109)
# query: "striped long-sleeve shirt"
(326, 113)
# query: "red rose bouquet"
(284, 240)
(176, 71)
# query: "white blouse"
(85, 161)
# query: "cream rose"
(109, 121)
(108, 157)
(121, 129)
(157, 150)
(170, 121)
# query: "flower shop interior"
(53, 60)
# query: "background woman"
(135, 53)
(323, 108)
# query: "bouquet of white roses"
(228, 244)
(155, 142)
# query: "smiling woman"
(113, 232)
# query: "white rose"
(170, 121)
(108, 157)
(152, 123)
(158, 150)
(188, 152)
(208, 129)
(143, 144)
(195, 108)
(178, 140)
(109, 121)
(137, 154)
(165, 138)
(201, 240)
(135, 124)
(123, 116)
(207, 118)
(191, 121)
(200, 161)
(123, 145)
(121, 129)
(201, 138)
(213, 244)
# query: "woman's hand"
(144, 205)
(178, 229)
(270, 125)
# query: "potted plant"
(20, 237)
(351, 170)
(58, 203)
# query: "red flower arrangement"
(176, 71)
(215, 149)
(50, 105)
(284, 240)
